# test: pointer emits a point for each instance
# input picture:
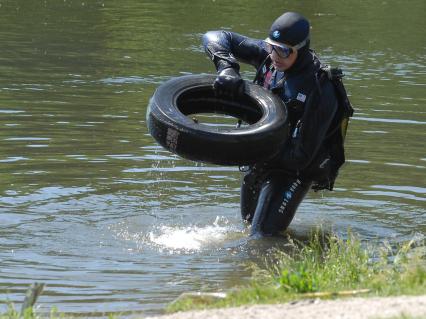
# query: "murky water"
(93, 207)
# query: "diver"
(271, 191)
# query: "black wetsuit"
(272, 191)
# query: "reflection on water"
(110, 221)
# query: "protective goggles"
(282, 49)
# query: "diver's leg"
(250, 187)
(279, 198)
(262, 207)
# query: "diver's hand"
(229, 82)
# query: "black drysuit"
(272, 191)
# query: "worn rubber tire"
(168, 123)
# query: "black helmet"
(291, 29)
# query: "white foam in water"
(190, 237)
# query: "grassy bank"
(327, 266)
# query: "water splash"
(193, 238)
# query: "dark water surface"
(93, 207)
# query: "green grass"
(13, 313)
(327, 266)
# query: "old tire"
(263, 136)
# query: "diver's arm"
(227, 48)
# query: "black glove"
(229, 82)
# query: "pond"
(92, 206)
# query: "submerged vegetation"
(327, 266)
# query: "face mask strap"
(301, 44)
